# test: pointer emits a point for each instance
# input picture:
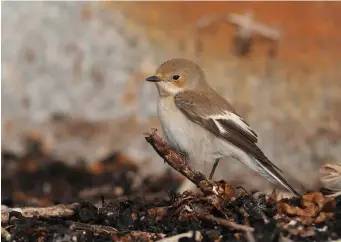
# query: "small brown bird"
(202, 125)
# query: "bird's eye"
(176, 77)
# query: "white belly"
(186, 136)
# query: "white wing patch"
(234, 118)
(220, 127)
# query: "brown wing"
(215, 114)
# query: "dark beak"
(153, 79)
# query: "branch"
(216, 192)
(52, 211)
(174, 159)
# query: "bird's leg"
(216, 162)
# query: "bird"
(203, 126)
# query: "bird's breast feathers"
(181, 132)
(173, 122)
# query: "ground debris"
(44, 199)
(313, 208)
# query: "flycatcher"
(201, 124)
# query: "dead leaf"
(314, 208)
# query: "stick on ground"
(228, 223)
(62, 210)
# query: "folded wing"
(215, 114)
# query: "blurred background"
(73, 79)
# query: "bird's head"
(177, 75)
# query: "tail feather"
(274, 176)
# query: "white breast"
(183, 134)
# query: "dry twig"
(216, 192)
(174, 159)
(61, 210)
(228, 223)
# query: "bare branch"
(216, 192)
(174, 159)
(61, 210)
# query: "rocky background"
(73, 76)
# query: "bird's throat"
(167, 89)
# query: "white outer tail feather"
(273, 178)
